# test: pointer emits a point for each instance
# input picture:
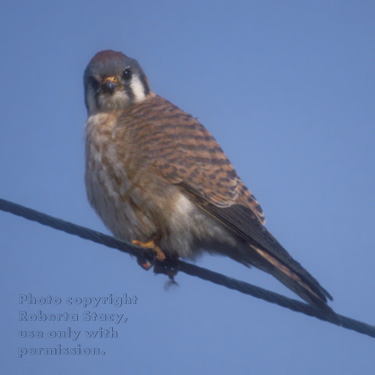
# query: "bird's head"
(113, 81)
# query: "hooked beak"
(109, 84)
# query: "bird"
(157, 178)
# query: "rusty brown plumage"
(155, 175)
(184, 151)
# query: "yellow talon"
(160, 256)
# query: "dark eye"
(94, 83)
(127, 74)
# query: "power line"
(187, 268)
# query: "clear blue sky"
(287, 88)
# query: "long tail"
(293, 276)
(263, 251)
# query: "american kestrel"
(158, 178)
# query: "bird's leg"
(167, 266)
(151, 245)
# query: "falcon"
(159, 179)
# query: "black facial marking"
(145, 85)
(129, 92)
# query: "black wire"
(187, 268)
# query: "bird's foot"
(151, 245)
(162, 264)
